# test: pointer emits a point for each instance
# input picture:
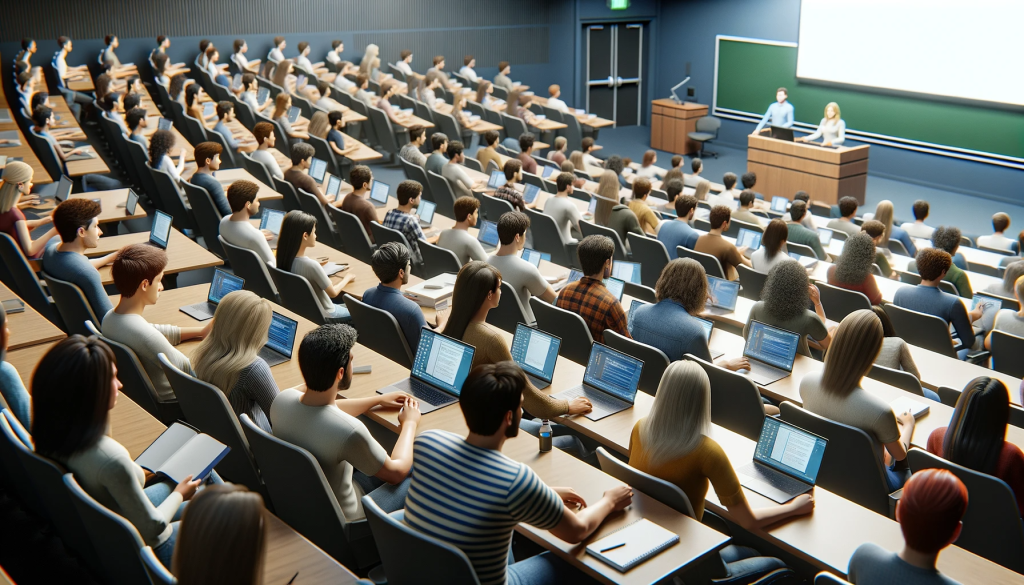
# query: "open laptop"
(280, 340)
(131, 202)
(534, 257)
(780, 204)
(293, 114)
(497, 179)
(771, 352)
(548, 171)
(707, 325)
(271, 221)
(160, 233)
(488, 236)
(317, 169)
(57, 192)
(164, 124)
(536, 352)
(209, 108)
(750, 239)
(441, 366)
(592, 208)
(627, 271)
(780, 133)
(825, 236)
(379, 193)
(262, 94)
(222, 284)
(615, 286)
(610, 382)
(786, 461)
(722, 295)
(530, 193)
(333, 187)
(805, 261)
(425, 212)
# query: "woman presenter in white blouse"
(832, 129)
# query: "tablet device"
(160, 233)
(824, 236)
(333, 186)
(209, 108)
(293, 114)
(271, 220)
(262, 95)
(548, 171)
(379, 192)
(317, 168)
(164, 124)
(530, 193)
(131, 203)
(748, 238)
(425, 211)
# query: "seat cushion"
(700, 136)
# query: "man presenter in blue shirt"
(780, 113)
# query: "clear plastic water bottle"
(545, 436)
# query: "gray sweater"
(147, 340)
(254, 392)
(76, 269)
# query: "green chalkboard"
(750, 72)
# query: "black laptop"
(786, 461)
(280, 340)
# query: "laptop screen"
(271, 220)
(748, 238)
(160, 233)
(426, 210)
(131, 202)
(293, 114)
(164, 124)
(333, 186)
(535, 351)
(223, 283)
(489, 233)
(208, 109)
(790, 450)
(548, 171)
(530, 193)
(262, 95)
(534, 257)
(613, 372)
(64, 189)
(593, 206)
(824, 236)
(779, 204)
(574, 275)
(379, 192)
(497, 179)
(708, 326)
(317, 169)
(442, 361)
(281, 336)
(723, 293)
(773, 346)
(980, 298)
(628, 271)
(614, 286)
(633, 306)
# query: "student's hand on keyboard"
(394, 399)
(580, 405)
(410, 412)
(734, 364)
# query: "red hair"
(933, 502)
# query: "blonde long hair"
(680, 417)
(839, 115)
(576, 158)
(9, 194)
(608, 186)
(852, 352)
(240, 327)
(884, 213)
(371, 53)
(319, 124)
(703, 188)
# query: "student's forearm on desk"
(188, 333)
(358, 406)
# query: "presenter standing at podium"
(831, 130)
(780, 113)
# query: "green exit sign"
(618, 4)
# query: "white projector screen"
(952, 48)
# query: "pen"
(292, 580)
(613, 547)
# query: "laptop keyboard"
(428, 394)
(599, 400)
(765, 372)
(772, 478)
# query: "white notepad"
(643, 539)
(903, 404)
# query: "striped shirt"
(472, 499)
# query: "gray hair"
(1013, 271)
(855, 263)
(785, 295)
(680, 417)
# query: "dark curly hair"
(854, 266)
(160, 144)
(785, 295)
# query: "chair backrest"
(655, 360)
(140, 161)
(324, 152)
(257, 169)
(74, 308)
(286, 189)
(408, 555)
(801, 250)
(1006, 350)
(247, 264)
(650, 253)
(547, 238)
(120, 555)
(709, 124)
(442, 192)
(14, 472)
(383, 235)
(194, 129)
(385, 131)
(302, 497)
(352, 234)
(751, 282)
(576, 337)
(171, 197)
(639, 291)
(992, 525)
(207, 216)
(437, 260)
(473, 163)
(532, 179)
(735, 400)
(665, 492)
(710, 263)
(897, 247)
(840, 302)
(736, 224)
(229, 158)
(573, 132)
(396, 72)
(493, 208)
(851, 468)
(157, 571)
(380, 331)
(515, 127)
(897, 378)
(325, 231)
(824, 578)
(206, 407)
(297, 295)
(415, 172)
(449, 125)
(424, 112)
(921, 329)
(509, 311)
(26, 284)
(589, 228)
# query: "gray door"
(614, 69)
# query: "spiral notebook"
(632, 544)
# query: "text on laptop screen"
(497, 179)
(333, 186)
(535, 351)
(616, 373)
(161, 230)
(426, 211)
(489, 233)
(442, 361)
(628, 271)
(790, 450)
(379, 192)
(548, 171)
(534, 257)
(708, 327)
(824, 236)
(530, 193)
(723, 293)
(772, 346)
(281, 336)
(614, 286)
(779, 204)
(748, 238)
(271, 220)
(223, 283)
(317, 168)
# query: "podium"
(828, 174)
(671, 122)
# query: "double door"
(614, 71)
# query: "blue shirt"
(76, 269)
(668, 327)
(336, 137)
(779, 114)
(931, 300)
(677, 233)
(407, 313)
(229, 138)
(15, 395)
(214, 188)
(409, 225)
(903, 237)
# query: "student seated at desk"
(895, 352)
(353, 462)
(357, 202)
(588, 297)
(748, 180)
(207, 156)
(947, 239)
(402, 219)
(554, 93)
(515, 107)
(835, 393)
(276, 53)
(112, 107)
(237, 230)
(745, 212)
(495, 492)
(884, 214)
(438, 67)
(612, 214)
(465, 122)
(852, 270)
(138, 273)
(425, 90)
(303, 62)
(391, 263)
(439, 146)
(525, 155)
(298, 234)
(413, 150)
(696, 168)
(75, 221)
(43, 120)
(456, 174)
(513, 170)
(730, 193)
(1008, 320)
(647, 169)
(563, 210)
(365, 96)
(329, 126)
(283, 103)
(932, 264)
(298, 174)
(334, 55)
(649, 222)
(799, 233)
(16, 183)
(265, 137)
(728, 255)
(323, 93)
(502, 79)
(250, 91)
(557, 154)
(371, 69)
(773, 247)
(388, 89)
(929, 512)
(193, 104)
(70, 426)
(176, 90)
(229, 356)
(200, 60)
(239, 59)
(28, 49)
(217, 72)
(524, 277)
(222, 537)
(160, 70)
(12, 391)
(570, 167)
(784, 300)
(678, 232)
(484, 91)
(672, 443)
(998, 240)
(66, 74)
(918, 229)
(844, 223)
(404, 63)
(467, 71)
(587, 146)
(807, 220)
(458, 239)
(618, 166)
(226, 115)
(876, 230)
(489, 152)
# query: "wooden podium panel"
(828, 174)
(670, 124)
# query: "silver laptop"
(58, 191)
(805, 261)
(771, 352)
(530, 193)
(610, 382)
(379, 193)
(280, 340)
(780, 204)
(497, 179)
(627, 271)
(707, 325)
(786, 461)
(222, 284)
(723, 294)
(824, 236)
(441, 366)
(425, 213)
(536, 352)
(271, 221)
(488, 236)
(750, 239)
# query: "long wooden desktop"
(828, 174)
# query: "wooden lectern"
(828, 174)
(671, 122)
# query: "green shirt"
(883, 264)
(959, 279)
(798, 234)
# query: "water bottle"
(545, 436)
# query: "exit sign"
(618, 4)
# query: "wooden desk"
(228, 176)
(112, 205)
(348, 116)
(672, 122)
(28, 327)
(23, 150)
(182, 253)
(783, 168)
(592, 120)
(82, 83)
(181, 144)
(77, 168)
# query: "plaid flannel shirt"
(409, 225)
(589, 299)
(514, 197)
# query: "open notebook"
(632, 544)
(180, 452)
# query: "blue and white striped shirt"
(472, 499)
